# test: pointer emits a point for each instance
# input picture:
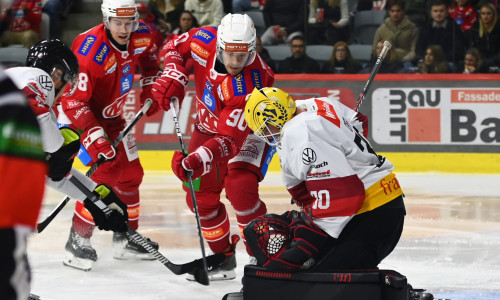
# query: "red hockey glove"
(97, 144)
(172, 83)
(147, 93)
(198, 162)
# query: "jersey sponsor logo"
(309, 156)
(126, 83)
(327, 111)
(321, 165)
(143, 28)
(232, 47)
(46, 82)
(199, 50)
(110, 66)
(219, 92)
(256, 78)
(209, 100)
(142, 42)
(126, 69)
(319, 174)
(139, 50)
(79, 112)
(225, 89)
(240, 85)
(208, 86)
(87, 45)
(114, 109)
(213, 234)
(125, 11)
(198, 59)
(250, 149)
(204, 35)
(101, 54)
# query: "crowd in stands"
(427, 36)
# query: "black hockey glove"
(61, 161)
(109, 212)
(306, 241)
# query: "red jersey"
(220, 97)
(106, 77)
(465, 16)
(25, 15)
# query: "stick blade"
(201, 276)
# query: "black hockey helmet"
(52, 55)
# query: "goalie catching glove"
(171, 84)
(109, 212)
(61, 161)
(285, 242)
(198, 162)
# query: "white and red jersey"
(106, 77)
(325, 157)
(39, 88)
(220, 97)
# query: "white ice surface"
(450, 246)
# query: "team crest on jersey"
(256, 79)
(46, 82)
(199, 50)
(204, 35)
(126, 69)
(309, 156)
(114, 109)
(209, 99)
(87, 45)
(101, 54)
(239, 85)
(126, 83)
(198, 59)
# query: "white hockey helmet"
(236, 34)
(119, 9)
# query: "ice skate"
(79, 252)
(123, 248)
(224, 271)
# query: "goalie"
(351, 204)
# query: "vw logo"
(308, 156)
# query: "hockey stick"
(41, 226)
(387, 46)
(196, 267)
(204, 275)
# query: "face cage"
(66, 78)
(264, 133)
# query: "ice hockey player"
(222, 153)
(109, 55)
(51, 68)
(351, 204)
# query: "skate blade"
(216, 275)
(129, 255)
(78, 263)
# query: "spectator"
(284, 20)
(390, 65)
(328, 20)
(207, 12)
(299, 62)
(473, 63)
(264, 54)
(417, 11)
(166, 13)
(485, 34)
(443, 31)
(157, 34)
(341, 61)
(400, 31)
(434, 61)
(23, 20)
(463, 13)
(186, 22)
(57, 10)
(240, 6)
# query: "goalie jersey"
(326, 160)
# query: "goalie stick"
(147, 104)
(203, 273)
(387, 46)
(196, 267)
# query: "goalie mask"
(55, 58)
(119, 9)
(236, 43)
(269, 106)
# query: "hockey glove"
(61, 161)
(198, 163)
(147, 93)
(172, 83)
(97, 144)
(307, 240)
(109, 212)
